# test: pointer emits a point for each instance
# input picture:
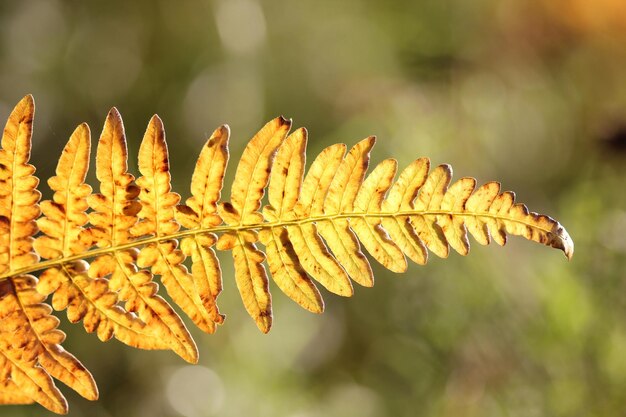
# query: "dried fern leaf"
(309, 246)
(28, 335)
(253, 171)
(115, 212)
(427, 202)
(312, 229)
(30, 351)
(10, 393)
(369, 200)
(247, 191)
(18, 190)
(283, 193)
(85, 298)
(157, 220)
(340, 197)
(200, 213)
(454, 226)
(400, 199)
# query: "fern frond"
(30, 351)
(200, 213)
(247, 191)
(157, 219)
(18, 194)
(88, 299)
(11, 393)
(283, 192)
(115, 212)
(369, 230)
(312, 252)
(312, 228)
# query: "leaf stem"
(257, 226)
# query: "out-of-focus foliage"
(532, 93)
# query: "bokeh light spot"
(195, 391)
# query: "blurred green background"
(529, 92)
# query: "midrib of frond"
(259, 226)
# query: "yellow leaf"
(62, 224)
(479, 202)
(247, 191)
(254, 167)
(288, 273)
(429, 199)
(64, 216)
(453, 226)
(318, 180)
(287, 173)
(345, 182)
(206, 272)
(30, 351)
(157, 219)
(18, 193)
(372, 235)
(253, 284)
(283, 192)
(137, 225)
(206, 183)
(199, 212)
(114, 214)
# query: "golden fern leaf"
(247, 191)
(283, 193)
(421, 211)
(308, 244)
(114, 213)
(19, 351)
(313, 227)
(369, 230)
(399, 199)
(342, 189)
(18, 190)
(157, 219)
(29, 341)
(30, 351)
(11, 393)
(87, 299)
(200, 213)
(428, 200)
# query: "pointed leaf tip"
(27, 100)
(223, 130)
(157, 121)
(283, 121)
(114, 120)
(264, 323)
(114, 113)
(83, 127)
(567, 244)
